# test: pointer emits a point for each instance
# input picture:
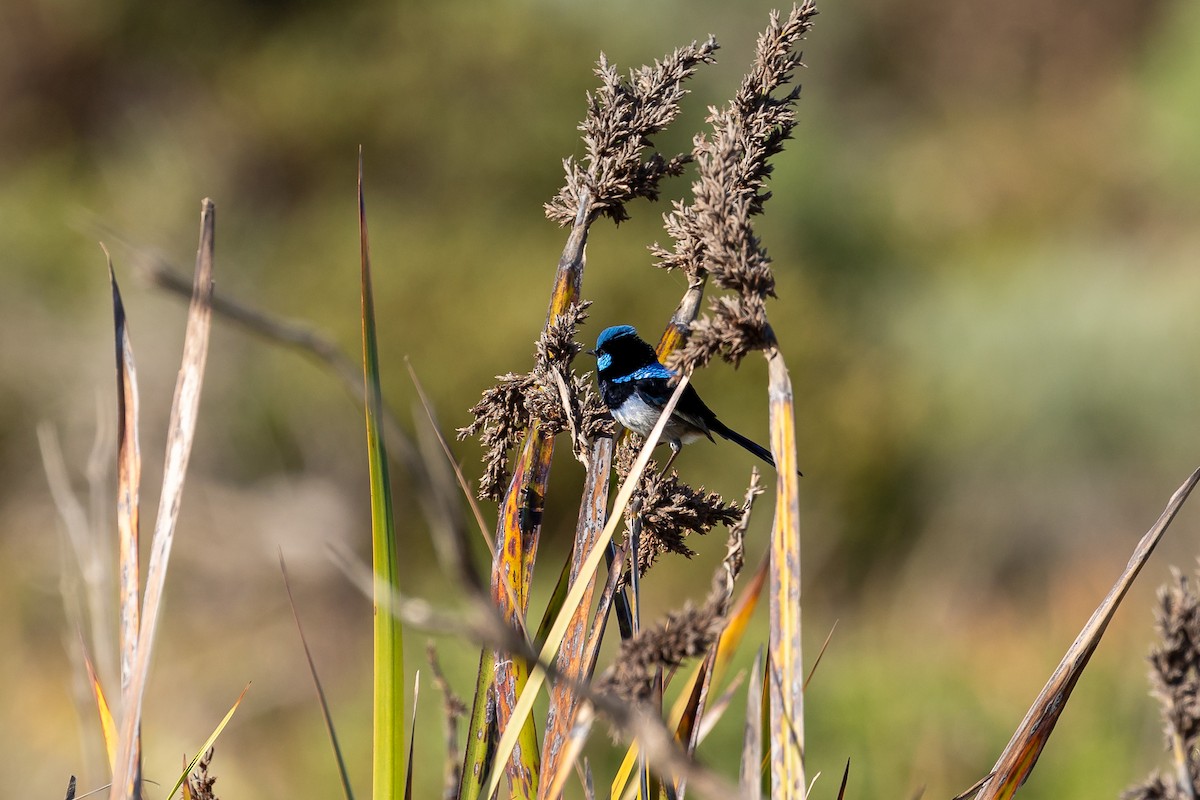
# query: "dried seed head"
(508, 408)
(200, 783)
(556, 347)
(622, 115)
(1175, 663)
(670, 511)
(713, 235)
(501, 418)
(683, 634)
(1175, 683)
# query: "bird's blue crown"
(619, 349)
(616, 331)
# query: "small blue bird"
(635, 386)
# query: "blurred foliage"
(985, 240)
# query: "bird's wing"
(650, 372)
(655, 391)
(690, 409)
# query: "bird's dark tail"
(726, 432)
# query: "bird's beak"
(590, 352)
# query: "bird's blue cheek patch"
(603, 361)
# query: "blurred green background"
(986, 246)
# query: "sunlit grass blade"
(388, 739)
(108, 727)
(321, 700)
(1019, 757)
(207, 744)
(784, 652)
(524, 705)
(631, 760)
(524, 767)
(180, 434)
(604, 605)
(752, 746)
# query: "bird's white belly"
(639, 416)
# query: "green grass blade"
(478, 755)
(208, 743)
(321, 699)
(408, 777)
(388, 739)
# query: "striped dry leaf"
(1018, 759)
(129, 480)
(572, 662)
(180, 434)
